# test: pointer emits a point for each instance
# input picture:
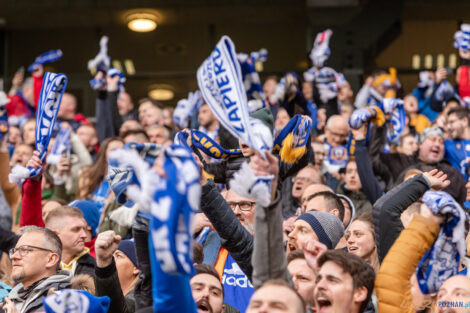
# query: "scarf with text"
(53, 87)
(206, 144)
(62, 145)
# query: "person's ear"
(360, 294)
(52, 261)
(335, 212)
(135, 271)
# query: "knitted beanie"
(265, 116)
(90, 211)
(128, 248)
(429, 132)
(326, 226)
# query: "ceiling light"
(142, 22)
(161, 94)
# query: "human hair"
(332, 201)
(210, 270)
(411, 172)
(58, 200)
(282, 283)
(61, 212)
(294, 255)
(361, 272)
(367, 218)
(156, 126)
(50, 239)
(273, 77)
(402, 137)
(93, 176)
(461, 113)
(317, 171)
(130, 132)
(153, 102)
(198, 252)
(83, 282)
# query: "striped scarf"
(47, 57)
(206, 144)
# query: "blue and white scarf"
(62, 145)
(102, 61)
(442, 260)
(398, 121)
(251, 80)
(221, 84)
(185, 109)
(206, 144)
(321, 50)
(76, 301)
(444, 92)
(121, 174)
(112, 72)
(53, 87)
(462, 37)
(175, 202)
(47, 57)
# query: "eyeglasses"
(24, 250)
(243, 205)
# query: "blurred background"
(159, 44)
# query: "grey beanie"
(326, 226)
(430, 131)
(351, 206)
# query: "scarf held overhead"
(206, 144)
(442, 260)
(53, 87)
(220, 81)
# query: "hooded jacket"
(30, 300)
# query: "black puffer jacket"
(388, 209)
(234, 237)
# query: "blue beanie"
(90, 211)
(128, 248)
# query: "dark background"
(367, 34)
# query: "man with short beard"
(207, 290)
(35, 259)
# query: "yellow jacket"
(392, 284)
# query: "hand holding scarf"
(53, 88)
(442, 260)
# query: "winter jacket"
(86, 265)
(108, 115)
(30, 300)
(234, 237)
(388, 209)
(370, 185)
(107, 284)
(392, 285)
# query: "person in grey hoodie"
(35, 261)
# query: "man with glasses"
(35, 268)
(233, 218)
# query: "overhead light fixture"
(161, 93)
(142, 22)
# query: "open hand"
(438, 179)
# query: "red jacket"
(31, 206)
